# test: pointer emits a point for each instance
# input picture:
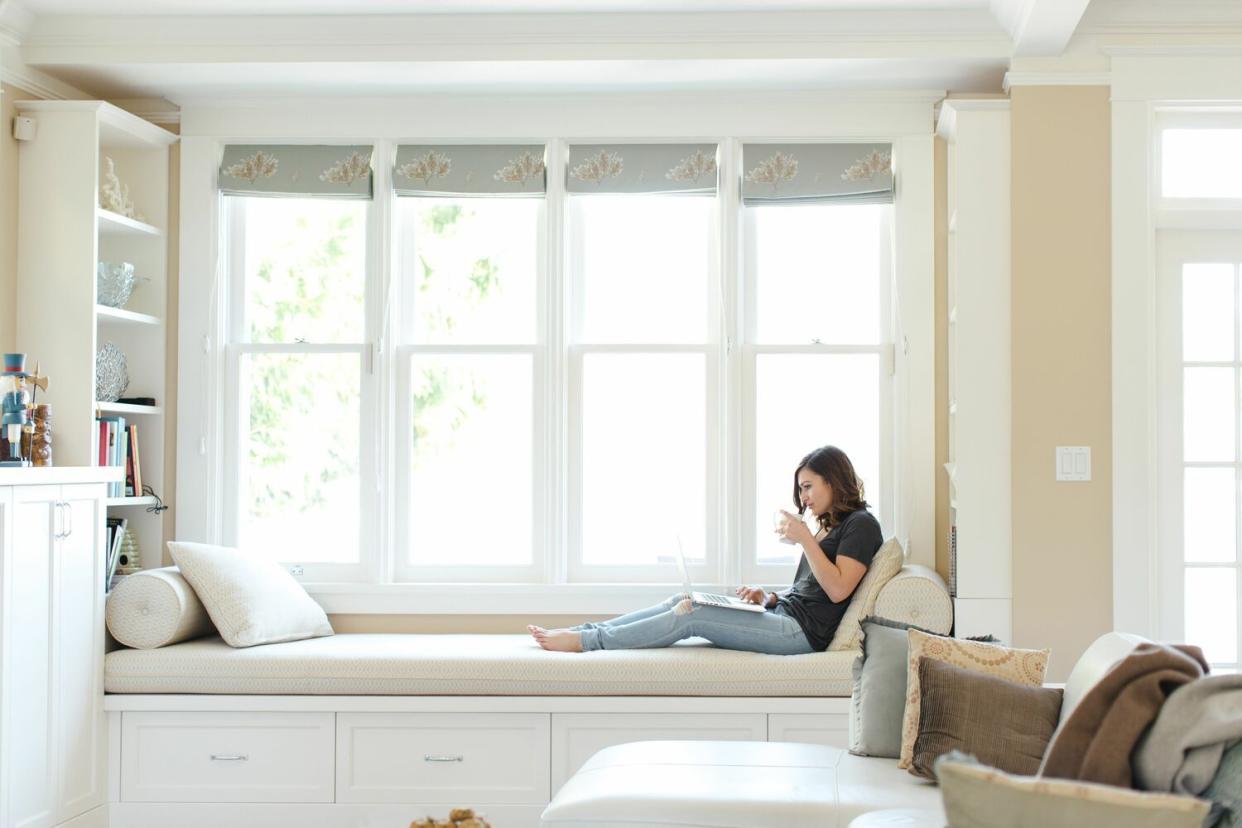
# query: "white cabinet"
(53, 736)
(460, 759)
(979, 363)
(227, 757)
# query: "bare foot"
(538, 633)
(559, 641)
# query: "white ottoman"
(730, 785)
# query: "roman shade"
(472, 170)
(296, 171)
(817, 173)
(669, 169)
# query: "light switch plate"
(1073, 462)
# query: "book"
(117, 528)
(136, 459)
(112, 450)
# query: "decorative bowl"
(111, 373)
(114, 283)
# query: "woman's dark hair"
(832, 464)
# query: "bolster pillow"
(154, 608)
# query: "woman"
(801, 619)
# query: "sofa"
(672, 784)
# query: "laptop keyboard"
(712, 598)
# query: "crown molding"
(155, 110)
(39, 84)
(1013, 79)
(15, 22)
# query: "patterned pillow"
(976, 796)
(1020, 666)
(887, 562)
(250, 600)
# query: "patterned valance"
(296, 170)
(470, 170)
(809, 173)
(683, 169)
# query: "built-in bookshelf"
(63, 234)
(977, 341)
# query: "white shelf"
(104, 312)
(127, 408)
(115, 224)
(130, 501)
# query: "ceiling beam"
(85, 41)
(1039, 27)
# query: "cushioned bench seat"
(496, 665)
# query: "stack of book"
(116, 530)
(116, 444)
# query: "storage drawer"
(577, 736)
(832, 729)
(462, 759)
(227, 757)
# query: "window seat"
(469, 665)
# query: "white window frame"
(773, 573)
(1149, 91)
(905, 119)
(542, 399)
(1177, 248)
(237, 345)
(712, 569)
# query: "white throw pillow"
(155, 608)
(251, 601)
(885, 564)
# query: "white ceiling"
(354, 7)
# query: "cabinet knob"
(431, 757)
(229, 757)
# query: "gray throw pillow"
(1002, 723)
(879, 698)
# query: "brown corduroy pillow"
(1002, 723)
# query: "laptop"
(710, 599)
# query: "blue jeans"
(667, 623)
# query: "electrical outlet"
(1073, 463)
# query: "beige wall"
(1061, 314)
(8, 216)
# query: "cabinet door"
(82, 738)
(27, 701)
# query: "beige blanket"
(1096, 742)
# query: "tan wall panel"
(1061, 314)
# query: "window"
(816, 353)
(547, 385)
(297, 349)
(1200, 305)
(644, 322)
(470, 365)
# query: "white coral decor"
(432, 165)
(347, 170)
(775, 170)
(259, 165)
(697, 165)
(521, 169)
(868, 167)
(598, 167)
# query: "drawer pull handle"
(430, 757)
(229, 757)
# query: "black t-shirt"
(858, 536)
